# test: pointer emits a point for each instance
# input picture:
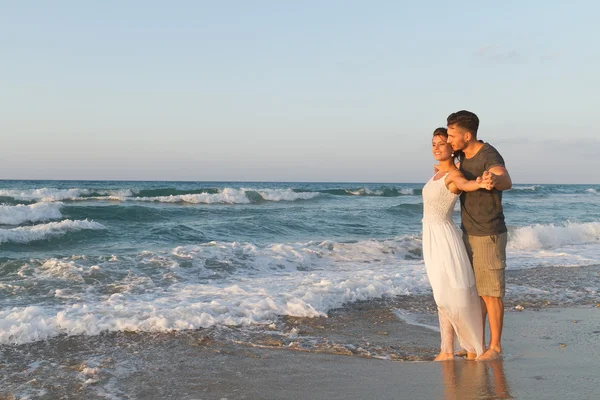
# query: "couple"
(466, 271)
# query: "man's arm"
(499, 178)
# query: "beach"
(549, 354)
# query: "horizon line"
(252, 181)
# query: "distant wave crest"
(27, 234)
(197, 196)
(15, 215)
(53, 194)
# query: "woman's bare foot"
(461, 353)
(444, 357)
(490, 354)
(471, 356)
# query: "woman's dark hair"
(443, 132)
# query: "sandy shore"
(549, 354)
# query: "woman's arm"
(458, 181)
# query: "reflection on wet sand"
(474, 380)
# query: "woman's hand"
(484, 183)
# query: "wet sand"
(361, 352)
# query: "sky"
(294, 90)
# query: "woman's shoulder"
(453, 174)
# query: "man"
(484, 230)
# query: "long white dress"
(449, 271)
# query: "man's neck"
(472, 148)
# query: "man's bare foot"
(490, 354)
(461, 353)
(444, 357)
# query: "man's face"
(456, 137)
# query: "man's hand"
(499, 178)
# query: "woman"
(448, 267)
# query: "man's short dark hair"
(466, 120)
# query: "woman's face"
(440, 148)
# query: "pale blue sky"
(294, 91)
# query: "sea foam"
(549, 236)
(15, 215)
(27, 234)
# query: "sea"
(87, 257)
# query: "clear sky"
(294, 90)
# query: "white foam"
(285, 195)
(369, 192)
(53, 194)
(60, 270)
(27, 234)
(291, 256)
(15, 215)
(226, 196)
(551, 245)
(406, 191)
(230, 283)
(360, 192)
(592, 190)
(283, 279)
(192, 306)
(530, 188)
(231, 196)
(551, 236)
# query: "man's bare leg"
(495, 312)
(483, 320)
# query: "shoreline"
(361, 351)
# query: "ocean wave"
(16, 215)
(278, 280)
(53, 194)
(27, 234)
(192, 306)
(550, 236)
(592, 190)
(531, 188)
(168, 195)
(534, 191)
(297, 256)
(233, 196)
(216, 283)
(381, 192)
(406, 208)
(118, 212)
(165, 192)
(197, 196)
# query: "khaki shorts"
(488, 257)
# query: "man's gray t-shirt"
(481, 210)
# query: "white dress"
(449, 271)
